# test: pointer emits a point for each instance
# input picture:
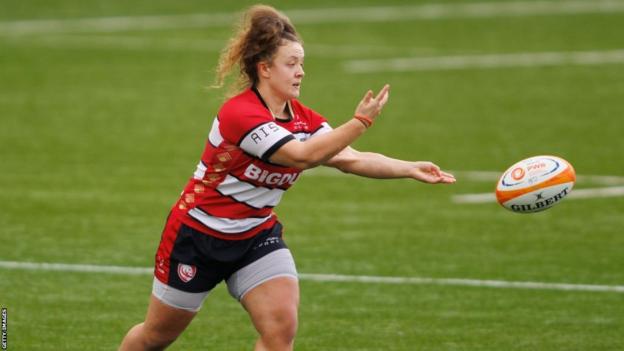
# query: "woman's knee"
(273, 308)
(278, 323)
(279, 336)
(286, 319)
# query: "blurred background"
(105, 109)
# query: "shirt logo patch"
(186, 272)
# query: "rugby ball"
(535, 184)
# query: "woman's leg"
(273, 307)
(163, 324)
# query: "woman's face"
(285, 73)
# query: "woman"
(223, 226)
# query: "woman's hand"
(371, 106)
(428, 172)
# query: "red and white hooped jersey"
(234, 188)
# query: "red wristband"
(366, 121)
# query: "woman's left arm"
(374, 165)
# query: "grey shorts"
(198, 262)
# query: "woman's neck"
(276, 106)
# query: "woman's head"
(261, 34)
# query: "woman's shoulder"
(242, 105)
(305, 111)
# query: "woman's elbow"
(296, 156)
(307, 161)
(300, 164)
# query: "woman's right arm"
(316, 151)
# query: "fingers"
(383, 93)
(440, 180)
(381, 97)
(431, 173)
(447, 175)
(371, 105)
(447, 178)
(384, 99)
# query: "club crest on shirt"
(186, 272)
(301, 125)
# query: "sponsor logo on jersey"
(186, 272)
(270, 178)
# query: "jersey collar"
(288, 105)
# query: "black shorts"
(193, 262)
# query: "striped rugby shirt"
(234, 188)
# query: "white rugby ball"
(535, 184)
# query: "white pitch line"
(450, 10)
(590, 193)
(142, 43)
(116, 24)
(601, 179)
(493, 176)
(488, 61)
(463, 282)
(478, 176)
(474, 198)
(64, 267)
(123, 42)
(614, 191)
(315, 16)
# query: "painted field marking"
(488, 61)
(589, 193)
(479, 176)
(493, 176)
(143, 43)
(64, 267)
(611, 183)
(123, 42)
(463, 282)
(429, 63)
(613, 187)
(314, 16)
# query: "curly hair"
(260, 33)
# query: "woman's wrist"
(365, 120)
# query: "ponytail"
(260, 33)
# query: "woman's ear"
(264, 69)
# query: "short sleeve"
(322, 129)
(319, 124)
(257, 135)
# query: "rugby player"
(223, 227)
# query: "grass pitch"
(101, 128)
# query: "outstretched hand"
(428, 172)
(371, 106)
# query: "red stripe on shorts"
(163, 255)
